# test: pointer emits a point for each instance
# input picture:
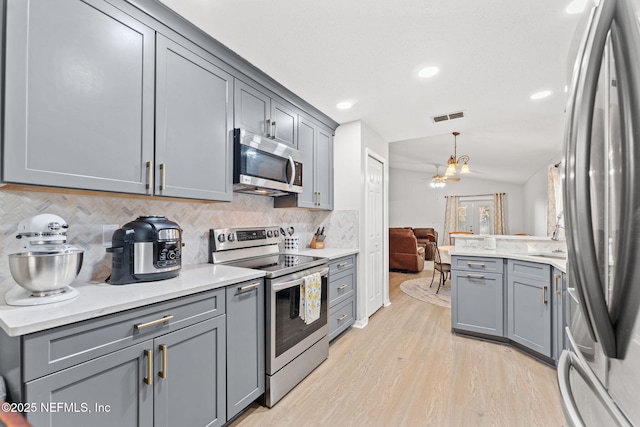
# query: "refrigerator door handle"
(625, 300)
(569, 406)
(580, 237)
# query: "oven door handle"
(292, 283)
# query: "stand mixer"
(47, 264)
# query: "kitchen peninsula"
(513, 293)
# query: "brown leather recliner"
(404, 252)
(426, 236)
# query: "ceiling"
(492, 56)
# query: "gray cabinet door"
(477, 302)
(192, 392)
(79, 96)
(104, 392)
(306, 146)
(252, 109)
(194, 119)
(285, 124)
(529, 313)
(324, 169)
(560, 313)
(245, 345)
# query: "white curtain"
(498, 214)
(450, 218)
(554, 196)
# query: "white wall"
(413, 203)
(535, 207)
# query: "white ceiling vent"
(450, 116)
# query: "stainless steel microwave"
(262, 165)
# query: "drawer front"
(51, 350)
(342, 264)
(341, 317)
(341, 286)
(531, 270)
(489, 265)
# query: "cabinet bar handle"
(544, 294)
(343, 264)
(268, 128)
(149, 378)
(153, 322)
(475, 264)
(149, 175)
(274, 129)
(556, 277)
(319, 198)
(341, 318)
(163, 176)
(342, 287)
(249, 287)
(475, 276)
(164, 349)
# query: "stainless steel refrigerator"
(599, 376)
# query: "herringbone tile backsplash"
(87, 214)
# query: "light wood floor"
(407, 369)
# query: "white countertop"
(560, 263)
(331, 253)
(99, 299)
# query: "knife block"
(315, 244)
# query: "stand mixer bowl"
(44, 273)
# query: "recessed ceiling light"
(541, 94)
(576, 6)
(344, 105)
(428, 72)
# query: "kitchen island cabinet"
(164, 364)
(342, 295)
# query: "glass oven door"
(288, 335)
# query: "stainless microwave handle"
(292, 283)
(293, 171)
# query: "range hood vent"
(450, 116)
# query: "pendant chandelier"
(454, 160)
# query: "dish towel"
(310, 294)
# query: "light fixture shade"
(465, 168)
(451, 170)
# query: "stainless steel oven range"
(294, 347)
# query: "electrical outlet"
(107, 233)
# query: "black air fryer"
(145, 250)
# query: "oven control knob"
(221, 238)
(230, 237)
(269, 233)
(276, 233)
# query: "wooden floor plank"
(406, 368)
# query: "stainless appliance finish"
(293, 348)
(265, 166)
(43, 273)
(599, 376)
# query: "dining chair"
(443, 268)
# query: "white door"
(374, 277)
(475, 215)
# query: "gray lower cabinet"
(79, 109)
(197, 360)
(259, 113)
(316, 145)
(477, 302)
(194, 118)
(561, 312)
(529, 303)
(245, 345)
(342, 294)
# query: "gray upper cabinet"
(79, 96)
(529, 302)
(261, 114)
(194, 119)
(316, 145)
